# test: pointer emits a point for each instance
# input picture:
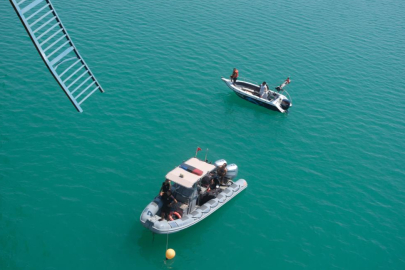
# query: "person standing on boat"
(263, 90)
(167, 199)
(235, 75)
(165, 187)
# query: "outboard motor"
(285, 104)
(232, 171)
(219, 163)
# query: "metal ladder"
(57, 49)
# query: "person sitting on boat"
(167, 199)
(206, 180)
(235, 75)
(221, 172)
(165, 187)
(213, 185)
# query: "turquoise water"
(326, 181)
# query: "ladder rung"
(22, 1)
(85, 89)
(30, 6)
(58, 49)
(59, 39)
(78, 78)
(43, 16)
(38, 11)
(46, 40)
(60, 56)
(71, 75)
(66, 70)
(45, 24)
(88, 95)
(46, 32)
(81, 83)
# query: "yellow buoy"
(170, 253)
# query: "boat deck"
(255, 91)
(182, 207)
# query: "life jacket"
(236, 73)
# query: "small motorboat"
(275, 100)
(195, 199)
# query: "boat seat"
(203, 189)
(183, 206)
(248, 90)
(179, 208)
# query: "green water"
(326, 181)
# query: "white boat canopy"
(188, 179)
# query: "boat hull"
(149, 219)
(258, 102)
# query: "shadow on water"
(152, 247)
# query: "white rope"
(167, 242)
(288, 95)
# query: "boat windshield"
(185, 192)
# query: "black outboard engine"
(285, 104)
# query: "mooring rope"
(167, 242)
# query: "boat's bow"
(227, 82)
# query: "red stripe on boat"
(197, 171)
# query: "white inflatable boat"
(195, 199)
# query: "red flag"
(196, 151)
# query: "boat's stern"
(282, 103)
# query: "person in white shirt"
(264, 90)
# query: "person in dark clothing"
(212, 185)
(221, 171)
(205, 182)
(165, 187)
(168, 200)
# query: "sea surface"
(326, 180)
